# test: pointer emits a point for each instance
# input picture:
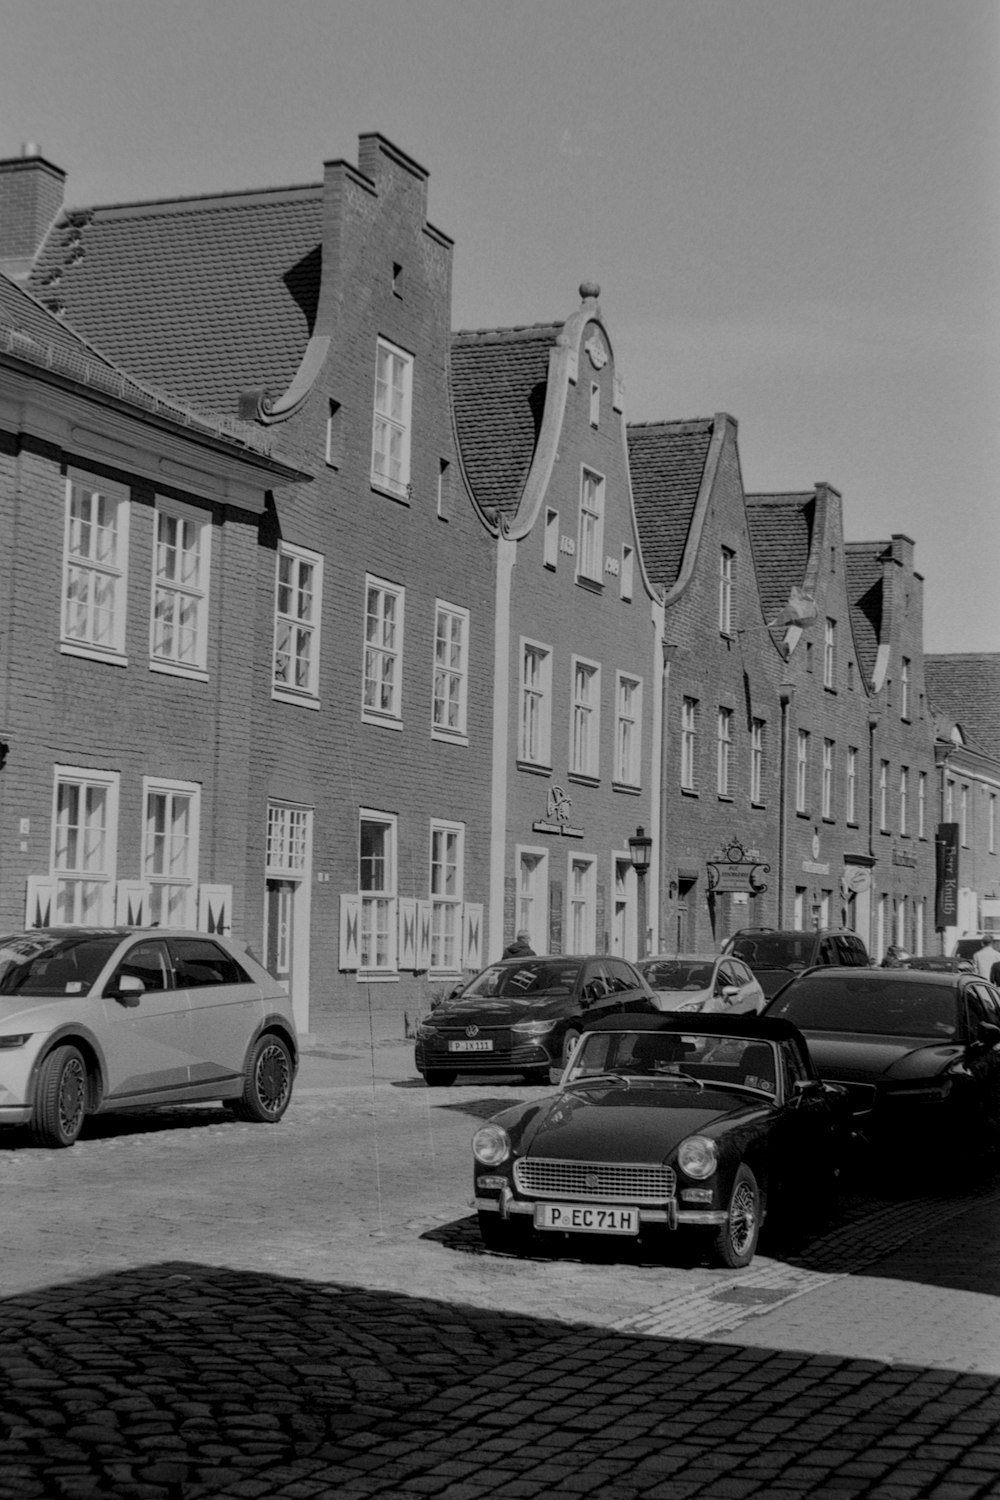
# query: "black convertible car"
(663, 1123)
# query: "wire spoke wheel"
(735, 1242)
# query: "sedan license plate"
(481, 1046)
(586, 1218)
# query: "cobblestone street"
(196, 1309)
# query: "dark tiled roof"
(667, 464)
(499, 378)
(966, 687)
(780, 536)
(31, 334)
(863, 567)
(204, 296)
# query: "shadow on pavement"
(183, 1382)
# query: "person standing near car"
(987, 956)
(521, 947)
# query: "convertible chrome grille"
(613, 1182)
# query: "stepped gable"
(863, 565)
(965, 685)
(499, 379)
(781, 528)
(667, 466)
(206, 296)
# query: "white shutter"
(132, 903)
(350, 930)
(407, 932)
(472, 934)
(215, 908)
(423, 935)
(39, 902)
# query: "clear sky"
(792, 206)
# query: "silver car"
(703, 982)
(98, 1019)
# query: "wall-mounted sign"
(557, 813)
(946, 887)
(735, 868)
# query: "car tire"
(735, 1242)
(60, 1098)
(508, 1237)
(267, 1084)
(557, 1069)
(439, 1078)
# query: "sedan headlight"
(533, 1028)
(691, 1005)
(491, 1145)
(18, 1039)
(697, 1157)
(426, 1030)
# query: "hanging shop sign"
(736, 869)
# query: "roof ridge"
(192, 201)
(484, 334)
(676, 422)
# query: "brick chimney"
(31, 195)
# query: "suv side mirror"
(128, 991)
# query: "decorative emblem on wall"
(736, 868)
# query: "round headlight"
(697, 1157)
(491, 1145)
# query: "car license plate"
(586, 1218)
(481, 1046)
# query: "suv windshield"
(530, 977)
(873, 1007)
(45, 964)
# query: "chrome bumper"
(672, 1216)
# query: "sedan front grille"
(612, 1182)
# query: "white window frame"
(535, 694)
(883, 796)
(170, 857)
(590, 546)
(180, 602)
(298, 611)
(829, 653)
(727, 574)
(802, 771)
(95, 568)
(756, 760)
(826, 797)
(392, 419)
(724, 750)
(689, 743)
(288, 840)
(904, 801)
(382, 659)
(377, 922)
(97, 843)
(963, 815)
(532, 895)
(851, 809)
(581, 903)
(450, 685)
(446, 885)
(922, 805)
(991, 823)
(904, 689)
(628, 729)
(585, 717)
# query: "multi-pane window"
(170, 852)
(451, 669)
(84, 837)
(904, 689)
(590, 551)
(727, 566)
(851, 806)
(536, 704)
(532, 902)
(827, 785)
(724, 750)
(949, 800)
(922, 805)
(963, 815)
(180, 586)
(391, 430)
(689, 743)
(802, 771)
(829, 653)
(904, 800)
(383, 666)
(287, 849)
(756, 760)
(377, 887)
(585, 719)
(446, 881)
(95, 556)
(298, 602)
(883, 796)
(582, 906)
(628, 730)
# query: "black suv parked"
(776, 956)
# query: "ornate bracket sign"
(557, 810)
(735, 868)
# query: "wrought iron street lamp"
(639, 848)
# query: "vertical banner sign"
(946, 887)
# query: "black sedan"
(918, 1051)
(522, 1015)
(664, 1123)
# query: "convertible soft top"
(762, 1028)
